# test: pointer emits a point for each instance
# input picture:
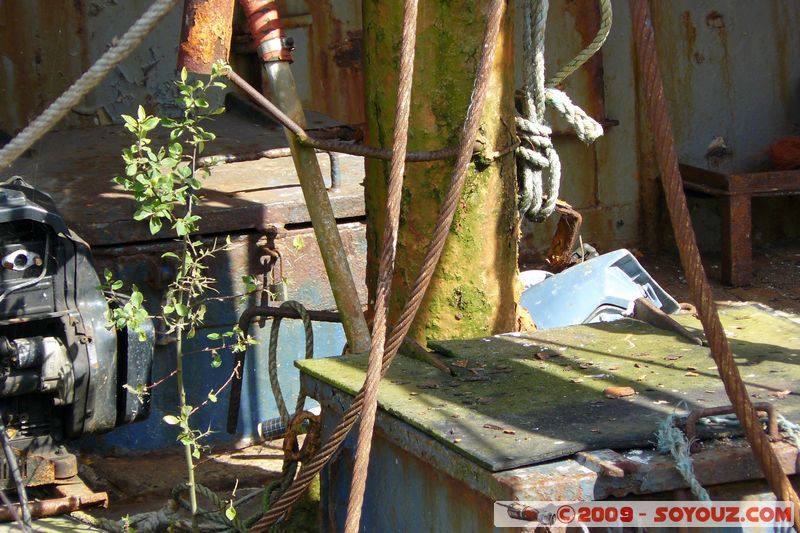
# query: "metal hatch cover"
(522, 399)
(76, 167)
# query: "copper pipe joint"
(267, 30)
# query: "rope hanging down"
(671, 440)
(538, 191)
(702, 296)
(88, 81)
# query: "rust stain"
(348, 53)
(38, 58)
(690, 31)
(206, 34)
(781, 29)
(586, 14)
(335, 55)
(715, 19)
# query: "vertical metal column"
(275, 50)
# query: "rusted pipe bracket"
(559, 255)
(267, 30)
(762, 407)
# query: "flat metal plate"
(76, 167)
(523, 399)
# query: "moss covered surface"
(305, 516)
(474, 291)
(533, 397)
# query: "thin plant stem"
(187, 447)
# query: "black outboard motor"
(62, 371)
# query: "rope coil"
(538, 165)
(273, 358)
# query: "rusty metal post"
(206, 29)
(45, 508)
(275, 50)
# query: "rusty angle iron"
(559, 255)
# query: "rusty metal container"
(243, 200)
(526, 418)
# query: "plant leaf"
(155, 225)
(230, 513)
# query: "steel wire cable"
(417, 292)
(696, 278)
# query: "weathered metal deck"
(76, 167)
(511, 424)
(533, 397)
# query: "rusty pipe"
(267, 30)
(338, 145)
(206, 30)
(264, 23)
(43, 508)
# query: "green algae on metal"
(480, 256)
(520, 399)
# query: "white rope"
(538, 165)
(86, 83)
(586, 128)
(672, 440)
(669, 439)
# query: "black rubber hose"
(13, 468)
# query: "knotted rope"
(670, 439)
(538, 190)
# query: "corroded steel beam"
(206, 29)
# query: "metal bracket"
(762, 407)
(607, 462)
(301, 421)
(559, 256)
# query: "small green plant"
(165, 182)
(126, 525)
